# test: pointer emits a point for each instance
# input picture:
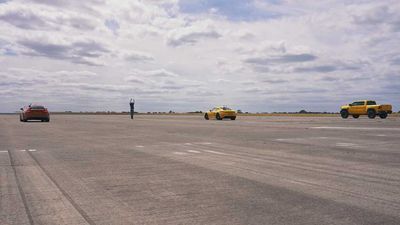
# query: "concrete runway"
(185, 170)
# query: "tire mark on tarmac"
(64, 193)
(279, 160)
(358, 128)
(314, 167)
(339, 148)
(393, 204)
(21, 191)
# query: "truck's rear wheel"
(371, 113)
(383, 115)
(344, 113)
(356, 116)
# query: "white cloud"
(87, 55)
(192, 33)
(138, 56)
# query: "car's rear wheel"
(344, 113)
(206, 116)
(20, 118)
(371, 113)
(356, 116)
(218, 117)
(383, 115)
(233, 118)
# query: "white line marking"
(32, 150)
(23, 150)
(193, 151)
(281, 139)
(3, 151)
(215, 152)
(342, 144)
(180, 153)
(139, 146)
(203, 143)
(300, 139)
(291, 139)
(381, 135)
(358, 128)
(188, 143)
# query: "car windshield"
(38, 107)
(225, 108)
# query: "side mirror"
(21, 109)
(210, 110)
(350, 104)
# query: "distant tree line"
(239, 111)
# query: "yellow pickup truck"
(365, 107)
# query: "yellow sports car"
(220, 113)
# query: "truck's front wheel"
(371, 114)
(383, 115)
(344, 113)
(356, 116)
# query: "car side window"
(357, 103)
(371, 103)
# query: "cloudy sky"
(189, 55)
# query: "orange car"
(34, 112)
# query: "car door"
(211, 114)
(362, 109)
(358, 107)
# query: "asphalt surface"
(185, 170)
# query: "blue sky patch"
(112, 24)
(9, 52)
(236, 10)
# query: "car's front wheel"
(206, 116)
(356, 116)
(344, 113)
(371, 114)
(218, 117)
(233, 118)
(383, 115)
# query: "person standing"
(132, 105)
